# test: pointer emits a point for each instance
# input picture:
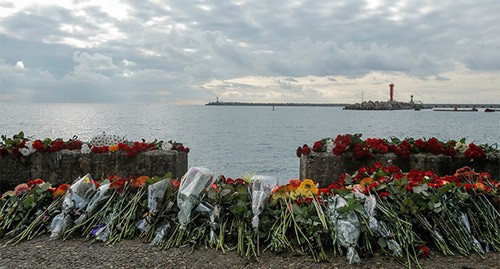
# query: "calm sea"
(234, 141)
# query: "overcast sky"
(190, 52)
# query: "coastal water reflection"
(236, 140)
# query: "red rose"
(424, 251)
(38, 145)
(34, 182)
(175, 183)
(299, 152)
(339, 149)
(384, 194)
(74, 144)
(318, 146)
(306, 150)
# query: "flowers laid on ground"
(19, 144)
(377, 209)
(364, 149)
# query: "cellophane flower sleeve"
(262, 186)
(156, 193)
(189, 196)
(346, 225)
(76, 198)
(100, 196)
(160, 234)
(213, 213)
(379, 228)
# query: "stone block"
(325, 167)
(67, 165)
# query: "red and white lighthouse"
(391, 93)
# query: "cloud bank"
(190, 52)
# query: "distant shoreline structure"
(425, 106)
(273, 104)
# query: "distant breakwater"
(366, 105)
(274, 104)
(390, 105)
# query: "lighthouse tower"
(391, 93)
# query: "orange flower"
(114, 148)
(280, 192)
(139, 182)
(479, 186)
(365, 182)
(294, 184)
(60, 191)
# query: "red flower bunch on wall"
(364, 149)
(474, 152)
(19, 144)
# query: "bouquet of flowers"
(74, 203)
(193, 183)
(19, 208)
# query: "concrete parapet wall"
(325, 167)
(67, 165)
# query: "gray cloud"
(172, 50)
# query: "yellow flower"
(301, 193)
(308, 185)
(113, 148)
(280, 192)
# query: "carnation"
(85, 149)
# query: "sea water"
(236, 140)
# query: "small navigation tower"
(391, 93)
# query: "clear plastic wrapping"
(346, 226)
(156, 193)
(76, 198)
(189, 196)
(262, 186)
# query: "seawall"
(67, 165)
(325, 167)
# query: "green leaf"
(382, 243)
(403, 209)
(44, 187)
(28, 201)
(360, 209)
(421, 188)
(225, 192)
(169, 175)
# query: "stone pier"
(325, 167)
(67, 165)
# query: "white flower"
(105, 140)
(25, 151)
(329, 145)
(166, 146)
(461, 147)
(85, 149)
(29, 145)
